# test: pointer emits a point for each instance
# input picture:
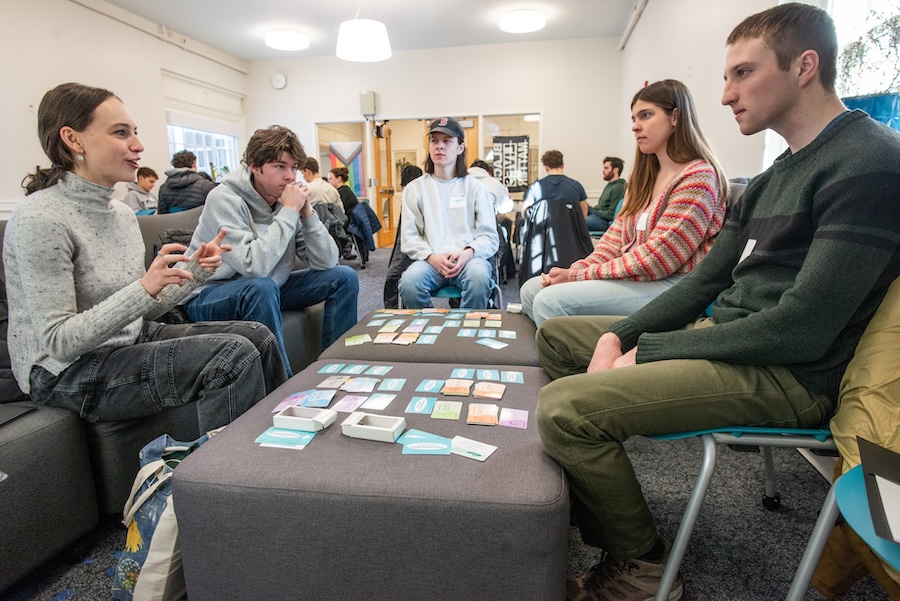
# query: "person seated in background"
(184, 188)
(556, 185)
(270, 224)
(321, 192)
(338, 178)
(673, 211)
(503, 204)
(448, 225)
(600, 216)
(138, 197)
(398, 261)
(81, 304)
(789, 309)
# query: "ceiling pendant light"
(287, 39)
(363, 41)
(522, 21)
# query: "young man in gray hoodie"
(269, 223)
(138, 197)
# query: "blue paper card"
(430, 386)
(427, 339)
(513, 377)
(392, 384)
(421, 405)
(417, 442)
(508, 334)
(375, 322)
(453, 323)
(319, 398)
(379, 370)
(467, 333)
(465, 373)
(487, 333)
(422, 321)
(488, 374)
(281, 437)
(354, 369)
(434, 329)
(331, 368)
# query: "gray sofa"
(64, 473)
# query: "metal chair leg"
(827, 518)
(695, 502)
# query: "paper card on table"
(482, 414)
(421, 405)
(489, 390)
(488, 374)
(396, 322)
(422, 321)
(375, 322)
(333, 382)
(467, 333)
(349, 403)
(512, 377)
(457, 387)
(471, 448)
(491, 343)
(456, 315)
(319, 398)
(417, 442)
(392, 384)
(507, 334)
(385, 338)
(331, 368)
(360, 384)
(453, 323)
(447, 410)
(477, 314)
(379, 400)
(492, 323)
(388, 328)
(494, 316)
(472, 323)
(463, 372)
(357, 340)
(354, 369)
(487, 333)
(406, 338)
(379, 370)
(427, 339)
(434, 329)
(514, 418)
(283, 438)
(293, 399)
(416, 329)
(429, 386)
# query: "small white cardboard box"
(384, 428)
(307, 419)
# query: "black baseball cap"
(447, 125)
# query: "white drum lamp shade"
(363, 41)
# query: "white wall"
(574, 84)
(685, 40)
(48, 42)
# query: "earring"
(79, 158)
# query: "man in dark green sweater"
(602, 214)
(796, 274)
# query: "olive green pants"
(584, 419)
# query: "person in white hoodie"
(138, 197)
(271, 223)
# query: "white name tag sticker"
(642, 222)
(748, 248)
(457, 202)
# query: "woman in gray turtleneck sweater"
(81, 303)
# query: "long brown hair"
(686, 143)
(68, 104)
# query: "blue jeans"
(260, 299)
(222, 367)
(594, 222)
(421, 279)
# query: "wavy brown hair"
(686, 143)
(267, 145)
(68, 104)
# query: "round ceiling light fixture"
(363, 41)
(287, 39)
(522, 21)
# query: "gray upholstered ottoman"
(346, 518)
(449, 347)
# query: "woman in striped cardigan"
(673, 210)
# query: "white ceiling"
(238, 27)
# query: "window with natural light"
(216, 153)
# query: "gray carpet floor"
(739, 551)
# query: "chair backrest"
(554, 234)
(154, 226)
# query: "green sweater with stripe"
(799, 268)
